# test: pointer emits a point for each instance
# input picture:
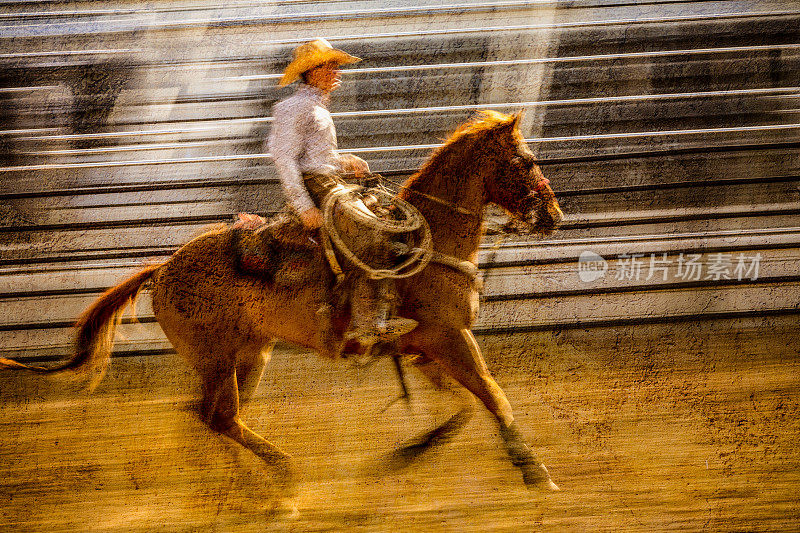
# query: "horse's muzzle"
(545, 220)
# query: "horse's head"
(514, 181)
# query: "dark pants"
(319, 185)
(370, 300)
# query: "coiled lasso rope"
(412, 221)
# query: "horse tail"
(95, 332)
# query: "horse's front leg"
(457, 351)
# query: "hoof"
(537, 477)
(534, 473)
(549, 486)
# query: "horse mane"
(486, 120)
(474, 129)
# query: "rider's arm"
(350, 163)
(286, 145)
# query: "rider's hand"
(354, 164)
(311, 218)
(249, 221)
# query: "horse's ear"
(517, 118)
(508, 125)
(513, 121)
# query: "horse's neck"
(455, 232)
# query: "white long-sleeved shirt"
(303, 139)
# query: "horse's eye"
(523, 161)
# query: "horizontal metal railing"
(716, 17)
(543, 60)
(213, 124)
(583, 24)
(493, 255)
(71, 13)
(405, 148)
(361, 14)
(124, 26)
(281, 3)
(392, 178)
(570, 222)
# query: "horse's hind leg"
(250, 364)
(444, 432)
(458, 353)
(220, 410)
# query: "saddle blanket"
(282, 251)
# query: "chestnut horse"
(224, 322)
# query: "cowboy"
(303, 147)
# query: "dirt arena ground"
(689, 427)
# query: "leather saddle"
(282, 251)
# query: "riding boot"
(372, 314)
(331, 342)
(388, 323)
(334, 300)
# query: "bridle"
(540, 186)
(468, 268)
(440, 201)
(544, 182)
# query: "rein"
(455, 207)
(462, 266)
(451, 205)
(544, 182)
(468, 268)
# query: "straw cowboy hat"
(311, 55)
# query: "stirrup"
(396, 327)
(371, 354)
(384, 330)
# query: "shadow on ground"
(681, 427)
